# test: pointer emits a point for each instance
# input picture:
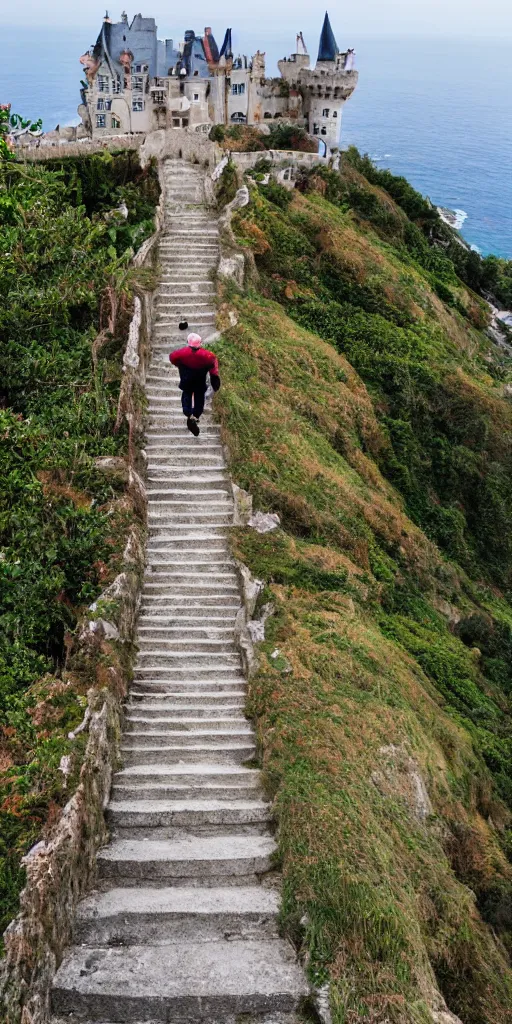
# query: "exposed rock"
(281, 662)
(264, 522)
(112, 464)
(400, 776)
(233, 267)
(108, 630)
(243, 506)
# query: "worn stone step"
(157, 916)
(229, 752)
(159, 791)
(189, 814)
(186, 711)
(209, 682)
(167, 723)
(144, 683)
(188, 981)
(153, 626)
(160, 734)
(181, 697)
(195, 773)
(189, 857)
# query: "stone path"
(183, 926)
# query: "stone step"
(198, 813)
(153, 626)
(181, 791)
(166, 722)
(213, 696)
(184, 660)
(193, 774)
(179, 982)
(168, 738)
(230, 752)
(161, 916)
(184, 711)
(201, 607)
(209, 681)
(191, 482)
(183, 698)
(187, 858)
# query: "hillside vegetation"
(363, 402)
(65, 301)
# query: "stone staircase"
(184, 924)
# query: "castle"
(136, 82)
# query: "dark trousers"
(192, 403)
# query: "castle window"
(241, 89)
(277, 114)
(325, 112)
(115, 122)
(196, 73)
(100, 120)
(103, 83)
(324, 131)
(315, 129)
(267, 114)
(335, 113)
(239, 118)
(176, 122)
(137, 84)
(108, 104)
(140, 69)
(116, 86)
(196, 96)
(137, 104)
(100, 105)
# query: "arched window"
(277, 114)
(267, 114)
(239, 117)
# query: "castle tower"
(290, 67)
(326, 87)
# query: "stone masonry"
(183, 924)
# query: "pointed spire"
(328, 47)
(226, 50)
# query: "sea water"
(437, 111)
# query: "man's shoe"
(193, 426)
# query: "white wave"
(455, 218)
(474, 248)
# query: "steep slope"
(365, 405)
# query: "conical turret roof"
(328, 47)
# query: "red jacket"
(194, 364)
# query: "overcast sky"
(432, 18)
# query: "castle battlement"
(136, 82)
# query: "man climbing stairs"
(183, 925)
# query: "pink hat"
(194, 340)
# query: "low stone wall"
(41, 150)
(278, 157)
(62, 867)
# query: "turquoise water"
(438, 112)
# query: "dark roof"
(226, 50)
(328, 47)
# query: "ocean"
(437, 111)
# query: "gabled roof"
(328, 47)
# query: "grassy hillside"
(65, 301)
(363, 401)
